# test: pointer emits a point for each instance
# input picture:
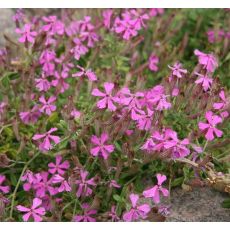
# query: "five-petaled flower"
(84, 184)
(154, 192)
(204, 80)
(87, 214)
(208, 61)
(27, 34)
(47, 105)
(85, 72)
(59, 166)
(102, 149)
(35, 211)
(108, 99)
(46, 145)
(210, 126)
(177, 70)
(137, 211)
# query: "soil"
(199, 205)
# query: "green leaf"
(226, 203)
(178, 181)
(117, 198)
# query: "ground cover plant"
(104, 111)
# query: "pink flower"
(42, 83)
(137, 211)
(46, 145)
(177, 147)
(107, 15)
(223, 103)
(27, 34)
(156, 11)
(177, 70)
(35, 211)
(64, 186)
(210, 127)
(87, 214)
(88, 73)
(84, 184)
(107, 98)
(30, 180)
(4, 189)
(113, 214)
(204, 80)
(114, 184)
(30, 116)
(215, 36)
(43, 185)
(75, 114)
(59, 82)
(90, 36)
(48, 107)
(47, 59)
(59, 167)
(53, 25)
(153, 61)
(208, 61)
(145, 122)
(125, 26)
(154, 192)
(79, 49)
(102, 149)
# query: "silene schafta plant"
(104, 112)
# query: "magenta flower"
(75, 114)
(102, 149)
(48, 107)
(64, 185)
(113, 215)
(114, 184)
(4, 189)
(144, 123)
(156, 99)
(47, 138)
(42, 83)
(27, 34)
(126, 27)
(208, 61)
(79, 49)
(107, 15)
(204, 80)
(59, 82)
(87, 214)
(30, 179)
(53, 25)
(90, 36)
(156, 11)
(177, 147)
(59, 166)
(30, 116)
(43, 185)
(154, 192)
(47, 59)
(210, 126)
(88, 73)
(177, 70)
(224, 101)
(107, 98)
(35, 211)
(153, 61)
(84, 184)
(137, 211)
